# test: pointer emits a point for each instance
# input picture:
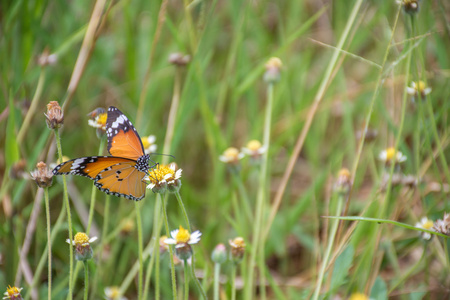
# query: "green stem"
(49, 243)
(186, 280)
(408, 272)
(141, 246)
(216, 280)
(243, 193)
(329, 247)
(186, 219)
(233, 282)
(172, 265)
(86, 280)
(258, 240)
(69, 218)
(94, 191)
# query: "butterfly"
(122, 173)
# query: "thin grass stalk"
(172, 265)
(34, 104)
(155, 257)
(409, 272)
(243, 193)
(69, 218)
(233, 282)
(186, 280)
(317, 99)
(94, 191)
(340, 201)
(216, 280)
(186, 219)
(141, 247)
(86, 280)
(49, 243)
(258, 238)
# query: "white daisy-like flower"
(149, 144)
(181, 237)
(163, 176)
(113, 293)
(81, 239)
(98, 119)
(418, 87)
(254, 148)
(231, 156)
(13, 292)
(427, 224)
(390, 155)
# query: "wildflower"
(127, 226)
(46, 59)
(390, 155)
(273, 70)
(163, 247)
(149, 144)
(42, 175)
(182, 240)
(254, 149)
(83, 250)
(443, 226)
(409, 6)
(427, 224)
(98, 118)
(343, 182)
(54, 115)
(113, 293)
(179, 59)
(13, 293)
(237, 249)
(163, 178)
(358, 296)
(219, 254)
(231, 156)
(416, 88)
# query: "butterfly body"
(122, 173)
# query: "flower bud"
(54, 115)
(42, 175)
(219, 254)
(273, 70)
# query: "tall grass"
(342, 97)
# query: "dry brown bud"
(179, 59)
(42, 175)
(54, 115)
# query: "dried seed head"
(237, 249)
(42, 175)
(54, 115)
(179, 59)
(47, 59)
(443, 226)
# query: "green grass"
(346, 66)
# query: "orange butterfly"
(122, 173)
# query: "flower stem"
(172, 265)
(140, 245)
(69, 218)
(233, 282)
(49, 243)
(216, 280)
(186, 280)
(94, 191)
(86, 280)
(329, 247)
(186, 219)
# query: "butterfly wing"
(113, 175)
(123, 139)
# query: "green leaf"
(379, 290)
(341, 267)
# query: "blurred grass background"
(222, 104)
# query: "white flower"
(254, 148)
(417, 88)
(427, 224)
(81, 239)
(231, 155)
(149, 144)
(181, 237)
(113, 293)
(162, 175)
(390, 154)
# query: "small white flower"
(81, 239)
(231, 155)
(113, 293)
(181, 236)
(149, 144)
(425, 223)
(417, 88)
(254, 148)
(390, 155)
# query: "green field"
(342, 193)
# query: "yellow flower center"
(101, 119)
(81, 238)
(12, 291)
(274, 62)
(344, 173)
(231, 153)
(158, 174)
(254, 145)
(183, 235)
(421, 86)
(113, 292)
(239, 242)
(428, 224)
(358, 296)
(390, 153)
